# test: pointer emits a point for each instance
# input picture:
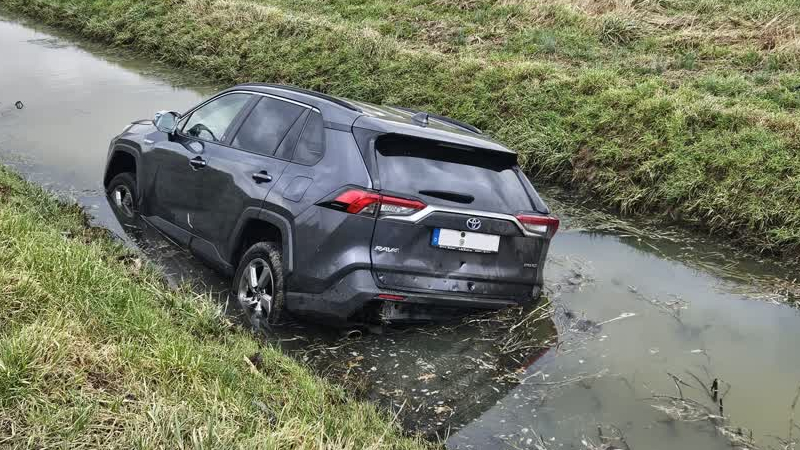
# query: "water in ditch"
(643, 318)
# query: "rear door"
(462, 236)
(290, 193)
(242, 172)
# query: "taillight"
(365, 203)
(359, 202)
(542, 225)
(396, 206)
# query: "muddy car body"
(336, 208)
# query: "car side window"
(267, 125)
(211, 121)
(311, 146)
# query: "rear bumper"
(357, 292)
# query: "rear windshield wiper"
(448, 195)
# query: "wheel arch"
(122, 159)
(256, 225)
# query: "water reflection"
(612, 376)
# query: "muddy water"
(642, 322)
(73, 98)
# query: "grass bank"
(681, 108)
(96, 352)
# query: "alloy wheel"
(257, 287)
(123, 199)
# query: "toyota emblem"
(473, 223)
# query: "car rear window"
(457, 177)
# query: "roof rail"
(445, 119)
(300, 90)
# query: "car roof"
(343, 114)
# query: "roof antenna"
(421, 118)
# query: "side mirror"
(166, 121)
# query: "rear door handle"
(197, 162)
(262, 177)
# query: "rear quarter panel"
(326, 244)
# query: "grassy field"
(681, 108)
(95, 352)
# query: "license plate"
(465, 241)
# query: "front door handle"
(198, 162)
(262, 177)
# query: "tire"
(269, 298)
(122, 197)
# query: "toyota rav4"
(336, 208)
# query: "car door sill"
(173, 233)
(201, 248)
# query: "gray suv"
(334, 208)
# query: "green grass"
(680, 108)
(96, 352)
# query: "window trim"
(235, 120)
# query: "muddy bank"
(97, 352)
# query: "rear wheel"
(122, 194)
(258, 282)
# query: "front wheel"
(122, 194)
(258, 282)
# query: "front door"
(177, 189)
